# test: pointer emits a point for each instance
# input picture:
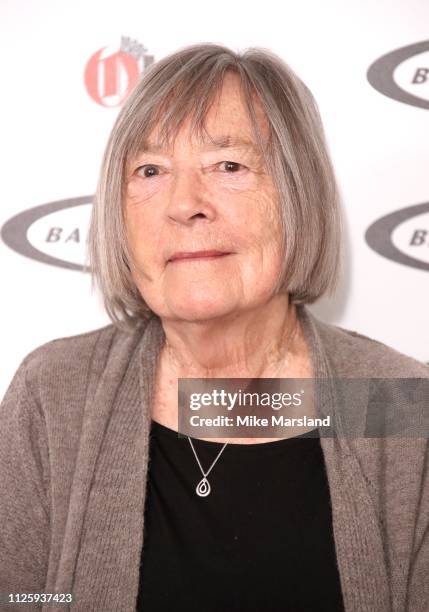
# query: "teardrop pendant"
(203, 488)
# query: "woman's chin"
(199, 308)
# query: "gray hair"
(183, 85)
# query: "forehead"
(227, 123)
(206, 141)
(229, 107)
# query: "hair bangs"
(190, 99)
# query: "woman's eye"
(231, 167)
(148, 171)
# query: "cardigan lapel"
(357, 533)
(104, 532)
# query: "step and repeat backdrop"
(67, 69)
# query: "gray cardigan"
(74, 457)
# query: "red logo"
(110, 77)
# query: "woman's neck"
(258, 343)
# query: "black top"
(261, 541)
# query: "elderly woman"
(215, 221)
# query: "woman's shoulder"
(68, 359)
(355, 354)
(68, 349)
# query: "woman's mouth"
(190, 255)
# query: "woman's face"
(200, 196)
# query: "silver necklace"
(203, 487)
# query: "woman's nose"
(187, 198)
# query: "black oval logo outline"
(14, 231)
(380, 74)
(379, 235)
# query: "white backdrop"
(53, 134)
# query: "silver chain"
(203, 487)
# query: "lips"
(186, 255)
